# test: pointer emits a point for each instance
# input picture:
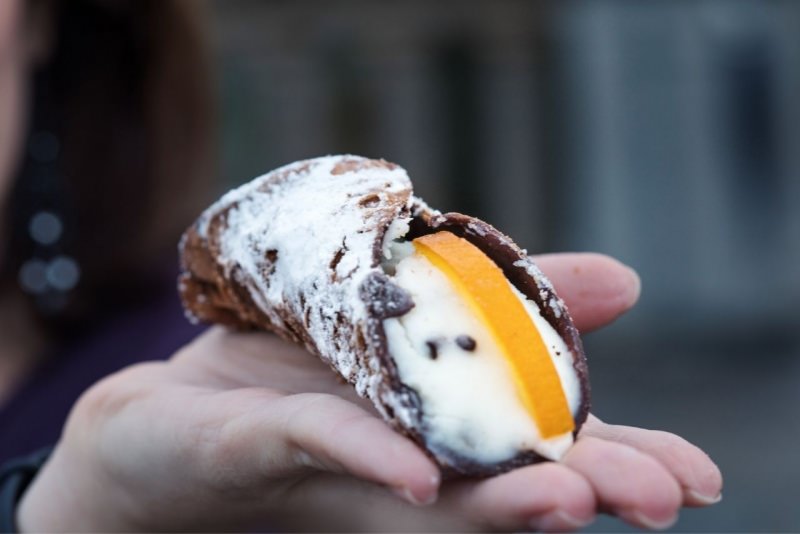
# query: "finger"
(547, 496)
(627, 482)
(326, 502)
(697, 474)
(596, 288)
(251, 438)
(336, 435)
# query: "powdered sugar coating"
(547, 294)
(298, 251)
(321, 218)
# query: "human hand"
(239, 430)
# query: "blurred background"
(662, 133)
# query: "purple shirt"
(34, 416)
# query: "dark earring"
(48, 273)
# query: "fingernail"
(638, 518)
(558, 521)
(702, 499)
(406, 494)
(637, 286)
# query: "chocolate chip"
(383, 298)
(433, 348)
(466, 343)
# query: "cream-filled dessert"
(443, 349)
(445, 324)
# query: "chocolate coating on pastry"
(298, 252)
(523, 273)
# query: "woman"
(102, 132)
(234, 430)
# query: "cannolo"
(441, 320)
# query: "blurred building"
(449, 90)
(678, 151)
(664, 133)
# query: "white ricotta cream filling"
(470, 402)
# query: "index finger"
(596, 288)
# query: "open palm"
(243, 429)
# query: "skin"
(13, 62)
(240, 430)
(22, 45)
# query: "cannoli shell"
(298, 252)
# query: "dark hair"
(126, 97)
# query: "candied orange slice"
(484, 287)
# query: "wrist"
(15, 477)
(41, 507)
